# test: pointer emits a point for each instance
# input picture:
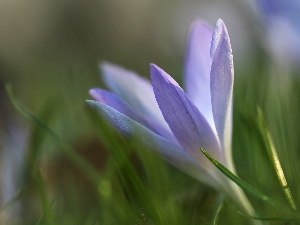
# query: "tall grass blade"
(247, 187)
(218, 208)
(272, 153)
(46, 205)
(79, 161)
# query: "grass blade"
(266, 218)
(46, 205)
(79, 161)
(247, 187)
(218, 209)
(272, 153)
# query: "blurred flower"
(13, 142)
(174, 123)
(13, 146)
(282, 23)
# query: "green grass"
(106, 178)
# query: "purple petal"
(117, 103)
(135, 90)
(187, 123)
(222, 86)
(170, 151)
(197, 68)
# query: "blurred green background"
(50, 50)
(49, 53)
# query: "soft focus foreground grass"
(105, 178)
(275, 90)
(133, 185)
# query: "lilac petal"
(134, 89)
(197, 68)
(169, 150)
(110, 99)
(117, 103)
(187, 123)
(221, 96)
(222, 87)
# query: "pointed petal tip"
(158, 74)
(154, 71)
(220, 25)
(220, 22)
(153, 67)
(108, 68)
(220, 32)
(105, 63)
(111, 71)
(90, 102)
(92, 92)
(100, 95)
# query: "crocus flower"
(176, 123)
(281, 20)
